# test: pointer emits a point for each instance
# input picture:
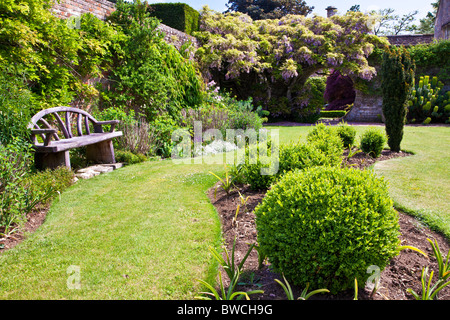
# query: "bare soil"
(403, 272)
(32, 222)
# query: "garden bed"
(402, 273)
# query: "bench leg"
(44, 161)
(102, 152)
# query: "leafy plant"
(261, 256)
(260, 62)
(372, 142)
(226, 294)
(428, 292)
(226, 183)
(428, 101)
(304, 295)
(443, 263)
(347, 134)
(229, 264)
(309, 215)
(327, 141)
(15, 162)
(397, 76)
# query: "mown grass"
(141, 232)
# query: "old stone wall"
(410, 39)
(442, 25)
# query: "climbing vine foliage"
(272, 59)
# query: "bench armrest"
(47, 132)
(98, 125)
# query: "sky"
(401, 6)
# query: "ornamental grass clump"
(325, 226)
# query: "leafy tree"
(339, 91)
(397, 76)
(390, 23)
(269, 9)
(355, 8)
(426, 25)
(271, 59)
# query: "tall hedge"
(397, 76)
(179, 16)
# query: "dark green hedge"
(179, 16)
(333, 114)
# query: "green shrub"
(15, 163)
(44, 185)
(326, 140)
(129, 157)
(428, 100)
(372, 142)
(148, 74)
(255, 160)
(291, 156)
(397, 77)
(347, 134)
(179, 16)
(311, 100)
(427, 121)
(16, 106)
(325, 226)
(332, 113)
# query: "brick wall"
(67, 8)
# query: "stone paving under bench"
(95, 170)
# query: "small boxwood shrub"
(253, 163)
(291, 156)
(372, 142)
(326, 225)
(347, 134)
(328, 141)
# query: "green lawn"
(142, 232)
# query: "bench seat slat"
(75, 142)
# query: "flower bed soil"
(402, 273)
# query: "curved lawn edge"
(419, 184)
(141, 232)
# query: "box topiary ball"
(325, 226)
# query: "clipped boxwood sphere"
(325, 226)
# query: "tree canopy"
(269, 9)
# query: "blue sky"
(401, 7)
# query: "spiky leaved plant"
(397, 76)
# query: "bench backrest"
(64, 117)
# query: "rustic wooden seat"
(58, 138)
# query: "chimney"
(331, 11)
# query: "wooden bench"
(58, 138)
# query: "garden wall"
(103, 8)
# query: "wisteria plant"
(270, 60)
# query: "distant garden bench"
(52, 151)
